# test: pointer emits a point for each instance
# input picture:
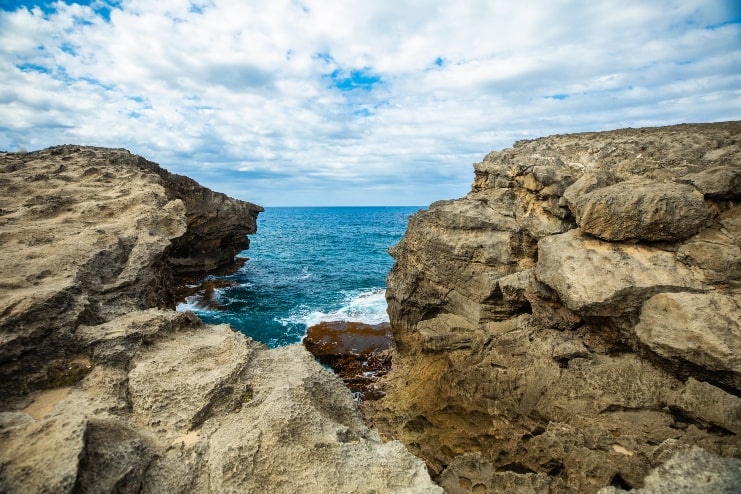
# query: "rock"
(447, 332)
(598, 278)
(589, 181)
(514, 286)
(471, 473)
(716, 250)
(40, 456)
(335, 339)
(710, 405)
(90, 234)
(174, 384)
(358, 353)
(700, 329)
(217, 224)
(722, 182)
(641, 210)
(105, 389)
(518, 363)
(689, 473)
(300, 431)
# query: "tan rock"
(589, 181)
(598, 278)
(689, 473)
(717, 250)
(447, 332)
(89, 234)
(539, 383)
(40, 456)
(722, 182)
(641, 210)
(701, 329)
(301, 432)
(709, 404)
(174, 383)
(153, 400)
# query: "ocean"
(306, 265)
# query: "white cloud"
(355, 102)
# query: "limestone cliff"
(576, 318)
(103, 389)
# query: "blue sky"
(317, 102)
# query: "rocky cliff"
(105, 389)
(575, 320)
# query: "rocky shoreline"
(105, 388)
(572, 325)
(575, 320)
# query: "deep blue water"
(310, 264)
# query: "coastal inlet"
(308, 266)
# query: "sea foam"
(368, 307)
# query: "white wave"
(193, 304)
(368, 307)
(190, 304)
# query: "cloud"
(287, 102)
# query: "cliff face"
(576, 318)
(102, 389)
(90, 234)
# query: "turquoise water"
(307, 265)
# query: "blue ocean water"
(308, 264)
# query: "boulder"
(641, 210)
(597, 278)
(358, 353)
(700, 329)
(721, 182)
(691, 472)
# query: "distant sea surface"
(310, 264)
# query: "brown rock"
(328, 340)
(358, 353)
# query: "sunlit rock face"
(104, 389)
(576, 318)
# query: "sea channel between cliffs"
(572, 325)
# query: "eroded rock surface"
(573, 321)
(103, 389)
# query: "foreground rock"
(575, 320)
(103, 389)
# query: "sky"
(328, 102)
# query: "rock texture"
(575, 319)
(103, 389)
